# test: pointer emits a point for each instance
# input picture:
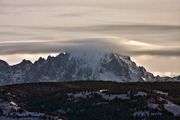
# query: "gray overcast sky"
(149, 31)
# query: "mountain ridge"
(71, 67)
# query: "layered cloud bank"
(106, 44)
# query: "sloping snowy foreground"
(172, 108)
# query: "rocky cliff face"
(70, 67)
(5, 72)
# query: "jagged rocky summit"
(71, 67)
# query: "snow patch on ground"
(172, 108)
(141, 113)
(161, 92)
(118, 96)
(100, 92)
(141, 93)
(153, 106)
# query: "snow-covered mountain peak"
(76, 66)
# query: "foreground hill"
(71, 66)
(80, 100)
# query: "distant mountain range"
(71, 67)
